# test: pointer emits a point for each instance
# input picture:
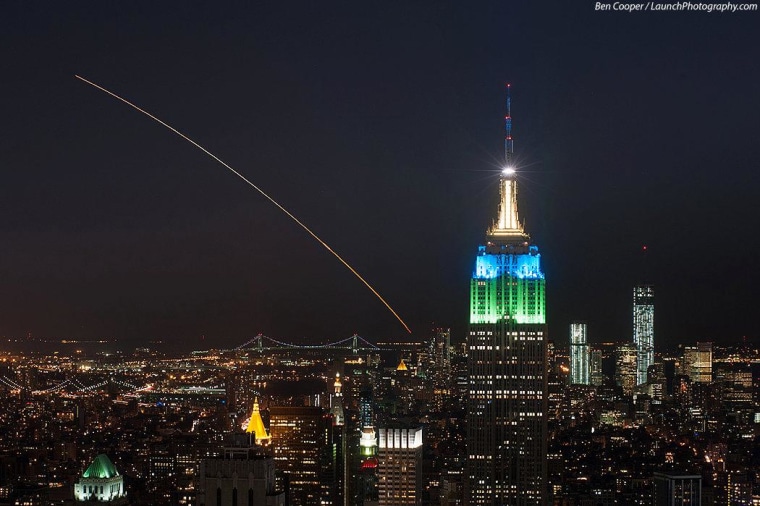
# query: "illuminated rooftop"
(507, 225)
(101, 467)
(256, 424)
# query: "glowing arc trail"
(270, 199)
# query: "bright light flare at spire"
(238, 174)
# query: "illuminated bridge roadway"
(74, 387)
(355, 344)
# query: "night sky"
(380, 124)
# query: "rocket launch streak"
(238, 174)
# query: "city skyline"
(114, 229)
(168, 429)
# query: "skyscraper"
(301, 446)
(439, 367)
(596, 374)
(579, 354)
(368, 479)
(399, 470)
(697, 362)
(657, 383)
(440, 357)
(506, 359)
(625, 367)
(244, 475)
(336, 454)
(643, 330)
(673, 489)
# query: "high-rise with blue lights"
(579, 354)
(506, 360)
(643, 330)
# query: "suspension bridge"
(355, 344)
(74, 386)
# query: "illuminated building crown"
(507, 283)
(507, 224)
(256, 424)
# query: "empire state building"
(506, 359)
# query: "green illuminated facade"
(507, 285)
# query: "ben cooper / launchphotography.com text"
(675, 6)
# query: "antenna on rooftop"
(508, 145)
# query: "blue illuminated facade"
(492, 265)
(507, 284)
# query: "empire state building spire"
(507, 224)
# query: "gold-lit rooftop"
(256, 424)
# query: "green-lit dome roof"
(101, 467)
